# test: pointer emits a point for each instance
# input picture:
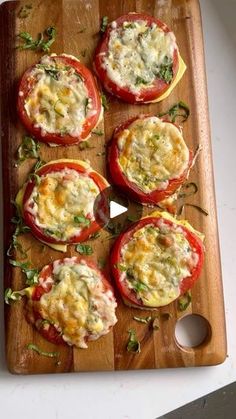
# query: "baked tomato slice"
(72, 303)
(148, 158)
(58, 202)
(156, 260)
(137, 59)
(58, 100)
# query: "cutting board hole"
(192, 330)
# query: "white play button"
(116, 209)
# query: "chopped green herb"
(104, 23)
(35, 178)
(101, 263)
(81, 219)
(95, 235)
(50, 70)
(12, 296)
(20, 229)
(29, 149)
(165, 71)
(105, 103)
(180, 109)
(133, 344)
(120, 267)
(139, 286)
(83, 145)
(64, 131)
(55, 233)
(98, 132)
(86, 103)
(139, 80)
(40, 44)
(35, 348)
(184, 301)
(84, 249)
(129, 25)
(38, 164)
(145, 320)
(32, 275)
(25, 11)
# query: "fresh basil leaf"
(81, 219)
(104, 101)
(32, 275)
(133, 344)
(29, 149)
(43, 43)
(39, 351)
(180, 109)
(104, 23)
(139, 80)
(84, 249)
(12, 296)
(184, 301)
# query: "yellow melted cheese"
(59, 101)
(156, 259)
(77, 304)
(151, 153)
(137, 54)
(59, 198)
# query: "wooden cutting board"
(77, 24)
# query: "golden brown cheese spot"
(59, 101)
(59, 198)
(78, 305)
(151, 153)
(156, 259)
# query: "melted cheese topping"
(62, 203)
(78, 305)
(151, 153)
(138, 54)
(59, 101)
(156, 260)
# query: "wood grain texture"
(159, 348)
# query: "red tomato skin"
(29, 218)
(25, 86)
(119, 178)
(146, 95)
(185, 285)
(51, 333)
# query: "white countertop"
(150, 394)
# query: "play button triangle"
(116, 209)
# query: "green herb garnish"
(35, 348)
(86, 103)
(12, 296)
(145, 320)
(104, 102)
(84, 249)
(139, 80)
(98, 132)
(120, 267)
(129, 25)
(32, 275)
(43, 43)
(38, 165)
(165, 71)
(139, 286)
(81, 219)
(180, 109)
(29, 149)
(35, 178)
(133, 344)
(25, 11)
(184, 301)
(83, 145)
(104, 23)
(21, 228)
(95, 235)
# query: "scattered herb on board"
(84, 249)
(43, 43)
(98, 132)
(21, 228)
(180, 109)
(188, 189)
(200, 209)
(184, 301)
(145, 320)
(25, 11)
(39, 351)
(94, 235)
(101, 263)
(35, 178)
(104, 23)
(84, 145)
(32, 275)
(105, 103)
(12, 296)
(29, 149)
(39, 163)
(133, 344)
